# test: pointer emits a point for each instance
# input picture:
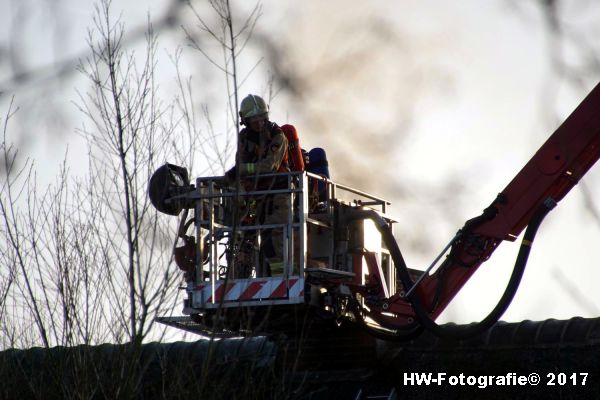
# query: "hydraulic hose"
(462, 332)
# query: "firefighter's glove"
(230, 175)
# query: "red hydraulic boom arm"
(552, 172)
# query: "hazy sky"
(483, 76)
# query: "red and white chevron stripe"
(250, 290)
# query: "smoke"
(353, 82)
(353, 79)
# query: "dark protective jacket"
(263, 152)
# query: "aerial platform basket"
(227, 267)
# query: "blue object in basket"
(317, 164)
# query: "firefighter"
(262, 149)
